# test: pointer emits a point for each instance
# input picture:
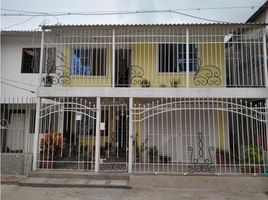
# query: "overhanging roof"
(63, 26)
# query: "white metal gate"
(67, 134)
(200, 136)
(114, 134)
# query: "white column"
(265, 58)
(130, 135)
(97, 141)
(36, 133)
(113, 60)
(41, 58)
(38, 105)
(187, 58)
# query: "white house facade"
(167, 98)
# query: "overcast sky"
(29, 23)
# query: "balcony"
(160, 56)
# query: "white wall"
(12, 44)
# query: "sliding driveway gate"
(200, 136)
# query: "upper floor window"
(172, 58)
(89, 62)
(30, 60)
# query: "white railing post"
(265, 58)
(97, 141)
(187, 58)
(130, 137)
(36, 133)
(113, 60)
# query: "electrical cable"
(21, 88)
(7, 79)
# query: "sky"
(33, 23)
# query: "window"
(89, 62)
(172, 58)
(30, 60)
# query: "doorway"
(122, 67)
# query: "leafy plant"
(140, 149)
(163, 85)
(48, 80)
(51, 145)
(145, 83)
(174, 82)
(153, 152)
(254, 154)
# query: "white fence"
(173, 135)
(200, 136)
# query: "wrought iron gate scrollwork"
(61, 76)
(201, 164)
(207, 75)
(113, 164)
(136, 74)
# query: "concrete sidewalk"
(11, 179)
(73, 182)
(65, 179)
(145, 187)
(206, 183)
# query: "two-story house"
(167, 98)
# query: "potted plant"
(253, 160)
(174, 82)
(85, 160)
(153, 154)
(48, 80)
(165, 159)
(50, 147)
(222, 156)
(145, 83)
(139, 152)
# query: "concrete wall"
(12, 44)
(17, 164)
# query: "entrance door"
(15, 132)
(122, 67)
(114, 135)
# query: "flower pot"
(87, 166)
(46, 164)
(252, 169)
(222, 159)
(138, 160)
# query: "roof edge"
(133, 25)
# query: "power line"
(119, 12)
(12, 80)
(21, 88)
(20, 22)
(196, 17)
(128, 12)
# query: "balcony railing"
(156, 56)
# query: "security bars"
(155, 56)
